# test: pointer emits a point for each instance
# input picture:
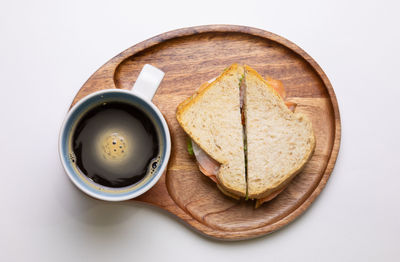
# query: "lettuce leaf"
(190, 147)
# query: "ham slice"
(260, 201)
(207, 165)
(277, 85)
(291, 105)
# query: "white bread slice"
(279, 142)
(212, 119)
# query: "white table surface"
(48, 49)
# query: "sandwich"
(244, 135)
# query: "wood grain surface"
(191, 56)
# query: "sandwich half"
(212, 119)
(279, 141)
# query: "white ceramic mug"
(140, 96)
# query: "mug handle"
(148, 81)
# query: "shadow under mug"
(140, 96)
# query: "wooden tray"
(191, 56)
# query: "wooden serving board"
(190, 57)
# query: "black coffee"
(115, 144)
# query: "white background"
(48, 49)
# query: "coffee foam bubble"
(152, 168)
